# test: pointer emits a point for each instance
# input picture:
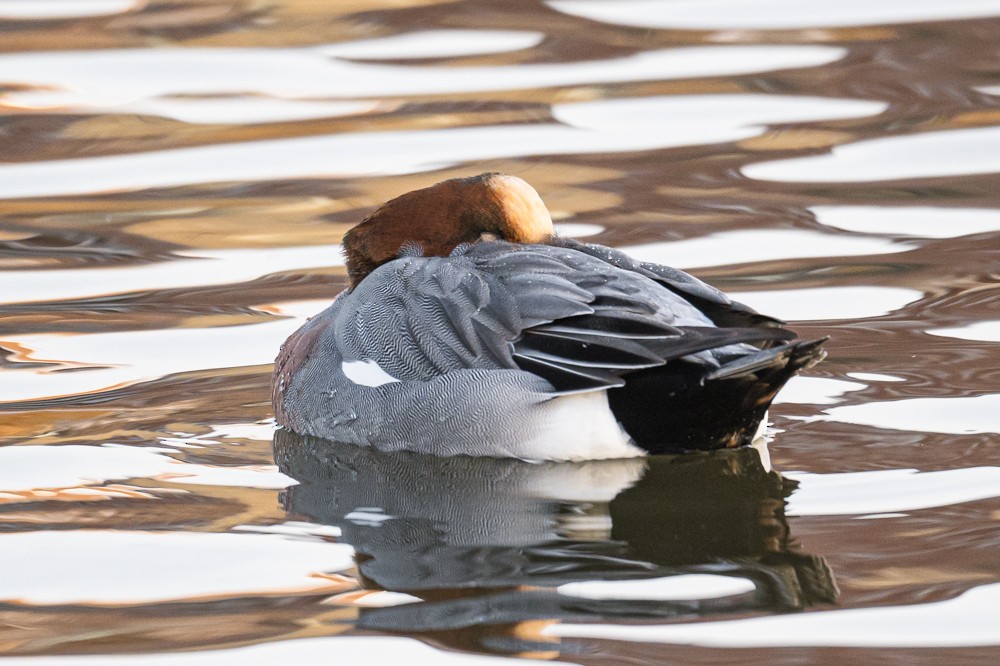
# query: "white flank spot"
(366, 373)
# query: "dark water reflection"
(483, 541)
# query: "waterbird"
(470, 328)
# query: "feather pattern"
(545, 309)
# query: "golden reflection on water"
(146, 318)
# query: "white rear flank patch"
(579, 427)
(366, 373)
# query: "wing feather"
(722, 310)
(579, 318)
(567, 379)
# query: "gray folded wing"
(577, 320)
(717, 306)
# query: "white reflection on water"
(593, 481)
(967, 620)
(772, 14)
(815, 391)
(340, 649)
(952, 416)
(292, 528)
(889, 490)
(874, 377)
(261, 431)
(370, 518)
(829, 302)
(751, 246)
(373, 599)
(60, 9)
(242, 476)
(434, 44)
(129, 567)
(229, 110)
(984, 331)
(637, 124)
(117, 76)
(732, 116)
(193, 268)
(577, 229)
(930, 155)
(103, 361)
(73, 466)
(105, 96)
(36, 467)
(919, 221)
(298, 309)
(671, 588)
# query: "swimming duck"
(470, 328)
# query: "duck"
(470, 328)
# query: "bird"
(470, 328)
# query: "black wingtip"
(793, 355)
(809, 353)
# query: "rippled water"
(175, 180)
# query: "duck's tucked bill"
(470, 329)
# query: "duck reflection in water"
(499, 544)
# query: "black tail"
(682, 407)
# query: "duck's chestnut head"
(436, 219)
